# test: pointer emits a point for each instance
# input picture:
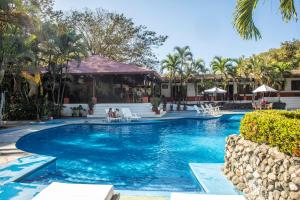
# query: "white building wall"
(165, 92)
(191, 90)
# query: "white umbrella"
(263, 89)
(215, 90)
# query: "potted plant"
(81, 110)
(164, 100)
(75, 111)
(66, 100)
(178, 106)
(155, 101)
(91, 105)
(171, 107)
(184, 106)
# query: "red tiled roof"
(99, 65)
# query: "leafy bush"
(20, 111)
(276, 128)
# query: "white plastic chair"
(215, 108)
(199, 110)
(128, 115)
(205, 110)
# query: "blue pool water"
(132, 157)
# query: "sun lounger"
(214, 108)
(205, 110)
(199, 111)
(128, 115)
(68, 191)
(185, 196)
(112, 119)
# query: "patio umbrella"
(263, 89)
(215, 90)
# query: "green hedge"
(276, 128)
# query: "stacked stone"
(260, 171)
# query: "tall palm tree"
(196, 69)
(220, 65)
(243, 16)
(185, 57)
(280, 69)
(171, 65)
(198, 66)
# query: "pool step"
(212, 180)
(19, 191)
(17, 169)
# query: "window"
(164, 86)
(295, 85)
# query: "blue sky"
(204, 25)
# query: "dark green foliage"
(276, 128)
(20, 111)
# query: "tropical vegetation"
(265, 68)
(182, 66)
(37, 43)
(276, 128)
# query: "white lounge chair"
(199, 110)
(205, 110)
(112, 119)
(211, 109)
(128, 115)
(68, 191)
(184, 196)
(215, 109)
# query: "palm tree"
(185, 56)
(171, 65)
(280, 69)
(220, 65)
(243, 16)
(196, 69)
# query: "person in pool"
(111, 113)
(117, 113)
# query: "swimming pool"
(152, 156)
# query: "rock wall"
(261, 172)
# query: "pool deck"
(9, 153)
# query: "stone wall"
(261, 172)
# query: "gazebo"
(108, 81)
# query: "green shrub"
(276, 128)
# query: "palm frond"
(243, 19)
(288, 10)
